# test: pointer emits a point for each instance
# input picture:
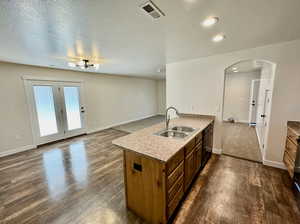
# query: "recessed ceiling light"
(235, 71)
(218, 38)
(234, 68)
(210, 21)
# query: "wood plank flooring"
(81, 181)
(76, 181)
(140, 124)
(231, 190)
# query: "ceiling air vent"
(152, 10)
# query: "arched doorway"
(247, 99)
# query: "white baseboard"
(117, 124)
(238, 121)
(29, 147)
(243, 121)
(217, 151)
(17, 150)
(275, 164)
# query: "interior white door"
(266, 114)
(57, 110)
(253, 102)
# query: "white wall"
(109, 100)
(161, 96)
(201, 80)
(237, 95)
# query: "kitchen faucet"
(168, 116)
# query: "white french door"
(57, 110)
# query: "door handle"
(262, 115)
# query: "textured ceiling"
(53, 32)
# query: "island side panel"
(125, 179)
(145, 181)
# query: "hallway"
(240, 140)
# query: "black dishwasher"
(207, 139)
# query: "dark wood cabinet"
(291, 151)
(198, 156)
(190, 167)
(291, 156)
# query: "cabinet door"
(198, 155)
(189, 168)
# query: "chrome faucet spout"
(168, 116)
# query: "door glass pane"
(72, 107)
(44, 102)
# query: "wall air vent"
(152, 10)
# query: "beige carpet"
(140, 124)
(241, 141)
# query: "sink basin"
(183, 129)
(172, 134)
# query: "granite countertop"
(162, 148)
(294, 126)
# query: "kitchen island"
(158, 170)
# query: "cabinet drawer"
(289, 164)
(292, 136)
(173, 204)
(175, 188)
(198, 138)
(190, 146)
(175, 175)
(291, 149)
(174, 161)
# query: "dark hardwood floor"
(81, 181)
(230, 190)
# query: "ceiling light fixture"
(210, 21)
(218, 38)
(83, 64)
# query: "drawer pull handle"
(137, 167)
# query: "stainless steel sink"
(183, 129)
(176, 132)
(172, 134)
